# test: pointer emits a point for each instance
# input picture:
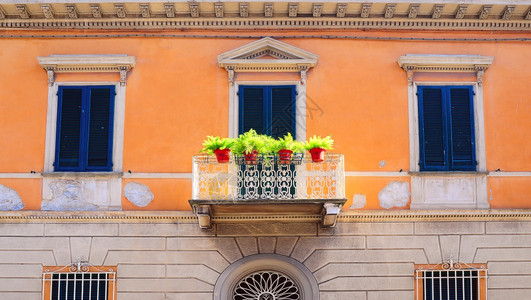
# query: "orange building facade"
(175, 72)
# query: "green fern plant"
(248, 142)
(318, 142)
(215, 142)
(287, 143)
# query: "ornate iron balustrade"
(268, 178)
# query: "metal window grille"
(451, 281)
(79, 281)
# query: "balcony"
(267, 187)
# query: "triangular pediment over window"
(267, 55)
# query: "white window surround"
(295, 270)
(95, 190)
(249, 58)
(447, 190)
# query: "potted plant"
(285, 146)
(317, 147)
(218, 146)
(249, 144)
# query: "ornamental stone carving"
(341, 10)
(437, 10)
(461, 10)
(508, 12)
(145, 10)
(413, 11)
(485, 11)
(120, 10)
(293, 9)
(244, 10)
(23, 11)
(71, 11)
(218, 9)
(169, 9)
(317, 9)
(365, 9)
(268, 10)
(389, 10)
(95, 10)
(48, 11)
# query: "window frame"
(83, 153)
(482, 276)
(300, 105)
(49, 271)
(117, 131)
(267, 113)
(447, 134)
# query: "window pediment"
(267, 55)
(445, 63)
(87, 63)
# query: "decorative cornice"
(445, 63)
(295, 23)
(345, 216)
(87, 63)
(287, 58)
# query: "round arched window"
(266, 285)
(266, 277)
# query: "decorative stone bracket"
(324, 211)
(87, 64)
(250, 58)
(412, 63)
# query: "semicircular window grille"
(266, 285)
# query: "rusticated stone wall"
(161, 258)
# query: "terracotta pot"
(251, 158)
(223, 155)
(317, 154)
(284, 156)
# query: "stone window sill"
(81, 175)
(448, 174)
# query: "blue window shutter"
(462, 138)
(433, 145)
(100, 125)
(69, 122)
(282, 111)
(252, 102)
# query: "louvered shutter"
(69, 122)
(461, 117)
(282, 111)
(432, 129)
(251, 109)
(100, 124)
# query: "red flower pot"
(317, 154)
(284, 156)
(251, 158)
(223, 155)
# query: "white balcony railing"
(268, 179)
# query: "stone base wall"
(159, 259)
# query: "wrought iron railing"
(268, 178)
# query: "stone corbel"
(303, 70)
(50, 71)
(480, 71)
(230, 70)
(410, 70)
(123, 75)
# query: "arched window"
(266, 277)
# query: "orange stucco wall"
(176, 95)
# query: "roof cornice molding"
(164, 217)
(87, 63)
(445, 63)
(286, 58)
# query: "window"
(450, 281)
(84, 128)
(79, 282)
(267, 109)
(446, 128)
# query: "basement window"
(79, 282)
(451, 281)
